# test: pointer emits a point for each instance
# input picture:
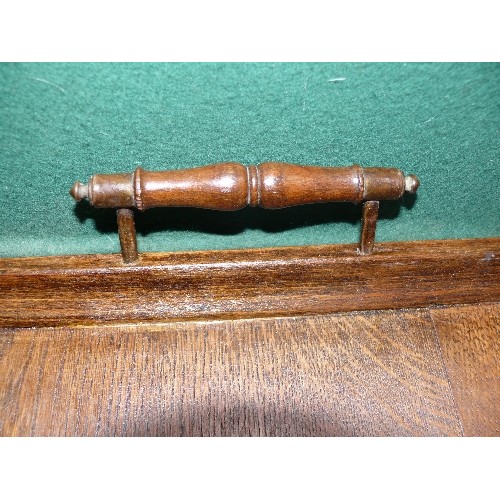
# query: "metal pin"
(126, 232)
(369, 225)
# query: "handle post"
(126, 233)
(368, 227)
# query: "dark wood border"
(90, 289)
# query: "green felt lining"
(64, 122)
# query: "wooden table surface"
(412, 372)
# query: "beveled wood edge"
(246, 283)
(98, 262)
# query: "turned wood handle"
(232, 186)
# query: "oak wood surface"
(373, 373)
(470, 342)
(95, 289)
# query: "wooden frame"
(96, 289)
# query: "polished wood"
(470, 342)
(91, 289)
(369, 226)
(126, 232)
(232, 186)
(218, 187)
(365, 374)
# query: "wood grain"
(470, 342)
(232, 186)
(368, 374)
(94, 289)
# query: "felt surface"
(64, 122)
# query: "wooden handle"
(232, 186)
